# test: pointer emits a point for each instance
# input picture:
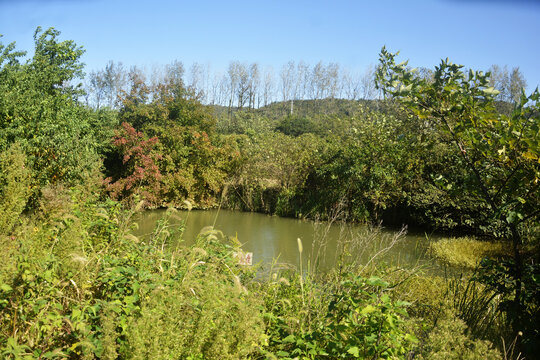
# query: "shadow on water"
(271, 237)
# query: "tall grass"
(478, 306)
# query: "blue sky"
(476, 33)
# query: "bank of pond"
(97, 280)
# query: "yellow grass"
(467, 251)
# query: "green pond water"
(274, 239)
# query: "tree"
(508, 83)
(517, 85)
(254, 81)
(501, 153)
(367, 84)
(140, 173)
(302, 79)
(319, 83)
(288, 82)
(105, 85)
(233, 80)
(39, 109)
(268, 87)
(199, 80)
(175, 73)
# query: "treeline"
(251, 86)
(243, 85)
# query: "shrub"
(206, 313)
(14, 187)
(448, 340)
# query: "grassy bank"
(79, 284)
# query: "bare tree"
(319, 81)
(499, 80)
(174, 73)
(233, 80)
(517, 84)
(95, 90)
(214, 92)
(268, 86)
(332, 76)
(243, 85)
(351, 85)
(508, 83)
(104, 86)
(302, 80)
(367, 83)
(254, 81)
(287, 81)
(199, 80)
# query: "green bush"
(448, 340)
(14, 187)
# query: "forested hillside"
(450, 150)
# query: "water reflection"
(270, 237)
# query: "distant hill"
(305, 108)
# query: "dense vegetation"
(442, 151)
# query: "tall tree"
(254, 81)
(508, 83)
(302, 79)
(287, 84)
(105, 85)
(517, 85)
(501, 153)
(367, 83)
(39, 108)
(233, 81)
(268, 86)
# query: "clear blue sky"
(476, 33)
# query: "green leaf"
(491, 91)
(368, 310)
(289, 339)
(354, 351)
(376, 281)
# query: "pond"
(274, 239)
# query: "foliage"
(500, 153)
(84, 286)
(448, 340)
(14, 187)
(194, 162)
(206, 313)
(140, 173)
(295, 126)
(343, 316)
(360, 168)
(366, 323)
(76, 283)
(38, 109)
(244, 122)
(276, 165)
(498, 275)
(456, 316)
